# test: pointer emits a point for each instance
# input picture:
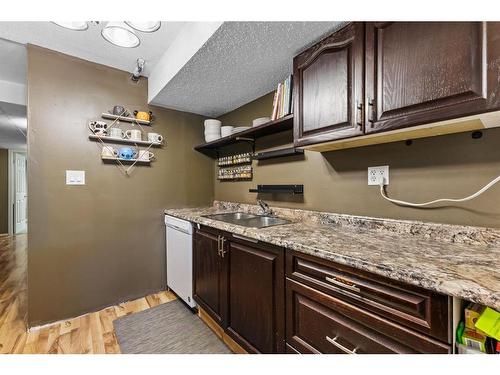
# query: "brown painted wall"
(94, 245)
(447, 166)
(4, 191)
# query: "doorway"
(19, 192)
(13, 138)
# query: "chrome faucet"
(266, 210)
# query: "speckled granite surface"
(459, 261)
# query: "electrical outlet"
(377, 175)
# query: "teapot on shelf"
(145, 116)
(119, 110)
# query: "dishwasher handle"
(177, 228)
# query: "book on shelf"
(283, 103)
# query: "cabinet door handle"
(360, 114)
(346, 285)
(222, 251)
(371, 117)
(341, 347)
(218, 245)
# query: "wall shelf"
(123, 140)
(272, 127)
(125, 118)
(281, 189)
(291, 151)
(125, 161)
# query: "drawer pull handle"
(341, 347)
(342, 284)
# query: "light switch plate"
(75, 177)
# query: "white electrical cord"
(470, 197)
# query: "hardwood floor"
(86, 334)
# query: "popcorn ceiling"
(239, 63)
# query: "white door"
(21, 193)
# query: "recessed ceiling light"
(120, 34)
(73, 25)
(145, 27)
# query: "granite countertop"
(458, 261)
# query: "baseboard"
(219, 331)
(38, 325)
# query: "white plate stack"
(226, 130)
(212, 130)
(261, 120)
(240, 129)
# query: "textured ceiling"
(90, 45)
(12, 126)
(12, 62)
(239, 63)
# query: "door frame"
(11, 188)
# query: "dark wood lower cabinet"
(411, 306)
(310, 306)
(210, 275)
(319, 323)
(256, 297)
(242, 288)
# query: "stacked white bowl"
(212, 130)
(226, 130)
(261, 120)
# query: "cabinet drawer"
(414, 307)
(319, 323)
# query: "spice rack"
(243, 172)
(245, 158)
(235, 167)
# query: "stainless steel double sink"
(248, 220)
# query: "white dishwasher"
(180, 258)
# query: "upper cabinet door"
(328, 84)
(422, 72)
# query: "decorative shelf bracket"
(281, 189)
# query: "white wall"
(11, 92)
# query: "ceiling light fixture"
(73, 25)
(120, 34)
(145, 27)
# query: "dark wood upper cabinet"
(210, 275)
(380, 76)
(328, 87)
(423, 72)
(256, 296)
